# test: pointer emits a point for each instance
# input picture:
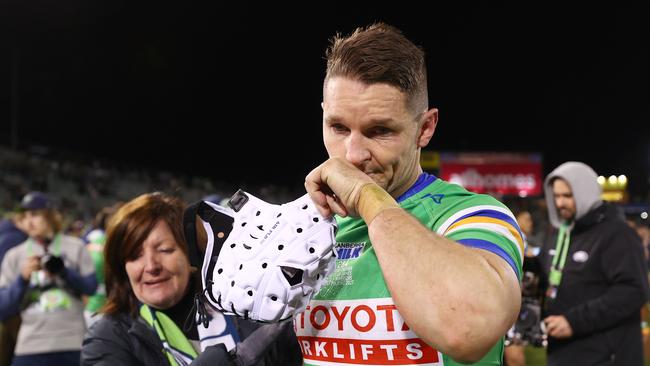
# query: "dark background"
(233, 91)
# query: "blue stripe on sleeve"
(491, 247)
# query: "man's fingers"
(318, 197)
(336, 206)
(550, 325)
(557, 327)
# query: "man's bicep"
(510, 286)
(491, 242)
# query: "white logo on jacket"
(580, 256)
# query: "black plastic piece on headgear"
(238, 200)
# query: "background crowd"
(86, 193)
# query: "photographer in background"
(43, 280)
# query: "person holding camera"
(43, 280)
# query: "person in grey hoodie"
(596, 274)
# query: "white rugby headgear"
(262, 261)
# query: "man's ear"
(430, 121)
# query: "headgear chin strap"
(262, 261)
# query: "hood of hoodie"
(583, 182)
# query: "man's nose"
(357, 151)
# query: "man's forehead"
(561, 186)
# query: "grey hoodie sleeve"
(626, 270)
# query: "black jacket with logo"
(604, 285)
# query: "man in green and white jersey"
(427, 272)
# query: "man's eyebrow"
(332, 119)
(382, 121)
(374, 122)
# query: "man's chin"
(566, 216)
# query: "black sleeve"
(626, 271)
(269, 344)
(214, 355)
(285, 350)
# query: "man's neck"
(44, 240)
(409, 183)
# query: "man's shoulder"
(17, 251)
(72, 241)
(73, 246)
(12, 237)
(450, 194)
(449, 198)
(6, 225)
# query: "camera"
(52, 263)
(529, 328)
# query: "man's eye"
(380, 131)
(339, 128)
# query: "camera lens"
(52, 263)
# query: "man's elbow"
(468, 340)
(463, 350)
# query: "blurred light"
(644, 215)
(612, 196)
(600, 180)
(612, 179)
(622, 180)
(523, 193)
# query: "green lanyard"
(177, 348)
(559, 258)
(56, 250)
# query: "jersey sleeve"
(487, 225)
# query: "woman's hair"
(380, 53)
(127, 229)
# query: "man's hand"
(335, 185)
(31, 264)
(558, 327)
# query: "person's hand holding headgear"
(261, 261)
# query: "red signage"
(495, 173)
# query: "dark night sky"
(169, 85)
